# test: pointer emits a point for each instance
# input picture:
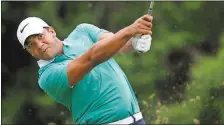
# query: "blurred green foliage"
(178, 26)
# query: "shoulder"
(86, 29)
(44, 72)
(51, 73)
(81, 28)
(84, 26)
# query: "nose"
(39, 45)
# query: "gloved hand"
(142, 43)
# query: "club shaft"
(150, 8)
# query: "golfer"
(79, 71)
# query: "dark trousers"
(139, 122)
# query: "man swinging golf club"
(80, 73)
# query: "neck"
(59, 46)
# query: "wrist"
(127, 32)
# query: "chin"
(46, 57)
(49, 57)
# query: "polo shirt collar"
(43, 63)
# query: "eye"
(41, 36)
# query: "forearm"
(127, 47)
(106, 48)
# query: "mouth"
(44, 50)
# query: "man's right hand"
(142, 25)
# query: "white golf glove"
(142, 43)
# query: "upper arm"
(79, 67)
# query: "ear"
(51, 29)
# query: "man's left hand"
(142, 44)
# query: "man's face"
(43, 46)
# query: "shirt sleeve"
(93, 31)
(54, 81)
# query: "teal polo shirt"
(104, 95)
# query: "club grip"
(150, 11)
(145, 36)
